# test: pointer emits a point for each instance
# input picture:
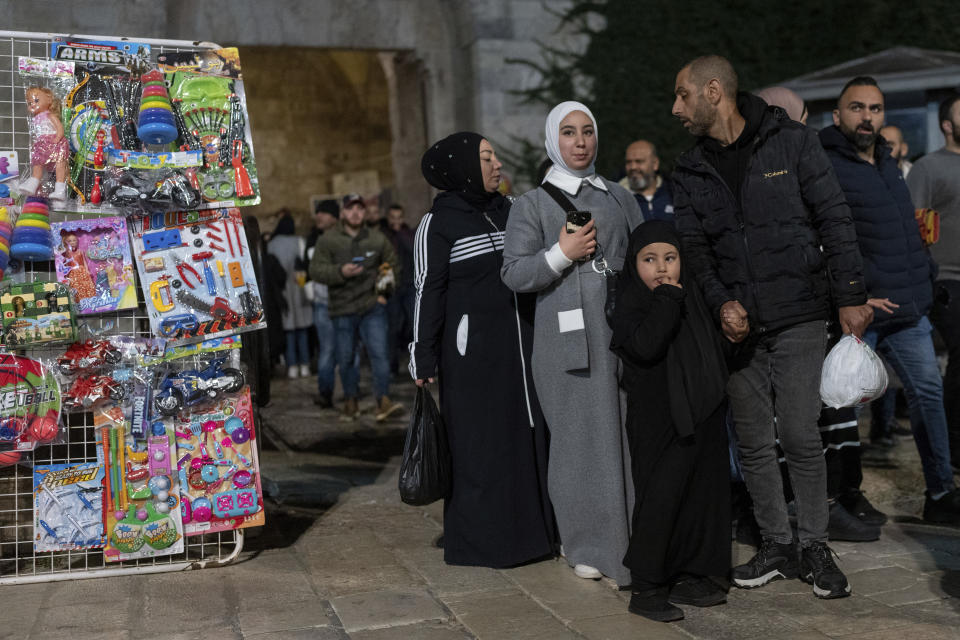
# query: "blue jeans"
(297, 351)
(372, 328)
(910, 352)
(326, 339)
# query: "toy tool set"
(197, 275)
(138, 133)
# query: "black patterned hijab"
(453, 164)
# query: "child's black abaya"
(674, 377)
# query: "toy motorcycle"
(179, 389)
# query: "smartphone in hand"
(577, 219)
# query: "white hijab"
(552, 130)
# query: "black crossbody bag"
(599, 262)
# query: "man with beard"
(935, 183)
(755, 200)
(347, 259)
(899, 274)
(898, 148)
(643, 180)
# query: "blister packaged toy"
(142, 490)
(93, 259)
(46, 84)
(218, 466)
(144, 138)
(37, 312)
(68, 506)
(29, 406)
(196, 275)
(9, 174)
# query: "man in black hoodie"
(755, 201)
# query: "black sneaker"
(697, 591)
(324, 400)
(653, 604)
(773, 561)
(843, 526)
(858, 506)
(818, 568)
(946, 510)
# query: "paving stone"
(386, 608)
(423, 631)
(926, 561)
(261, 615)
(554, 586)
(842, 616)
(445, 579)
(626, 625)
(854, 561)
(945, 612)
(922, 591)
(874, 581)
(72, 620)
(747, 614)
(322, 633)
(913, 632)
(507, 614)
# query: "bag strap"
(559, 197)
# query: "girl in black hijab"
(674, 376)
(477, 334)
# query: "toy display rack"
(19, 563)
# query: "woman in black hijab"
(674, 376)
(476, 333)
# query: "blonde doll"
(49, 150)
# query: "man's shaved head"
(706, 68)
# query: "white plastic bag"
(853, 374)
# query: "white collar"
(571, 184)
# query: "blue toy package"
(68, 506)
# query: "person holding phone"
(574, 370)
(476, 333)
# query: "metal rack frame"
(19, 563)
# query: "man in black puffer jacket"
(899, 275)
(755, 201)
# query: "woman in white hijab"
(574, 370)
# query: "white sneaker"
(304, 370)
(59, 192)
(587, 572)
(292, 372)
(29, 186)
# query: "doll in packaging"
(49, 150)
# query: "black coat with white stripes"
(458, 252)
(469, 331)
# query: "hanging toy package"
(46, 84)
(30, 407)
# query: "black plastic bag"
(425, 474)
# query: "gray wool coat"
(576, 374)
(299, 312)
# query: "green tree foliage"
(629, 67)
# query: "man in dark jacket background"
(899, 275)
(755, 199)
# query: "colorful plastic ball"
(162, 507)
(142, 514)
(43, 429)
(158, 485)
(9, 457)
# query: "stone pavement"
(342, 558)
